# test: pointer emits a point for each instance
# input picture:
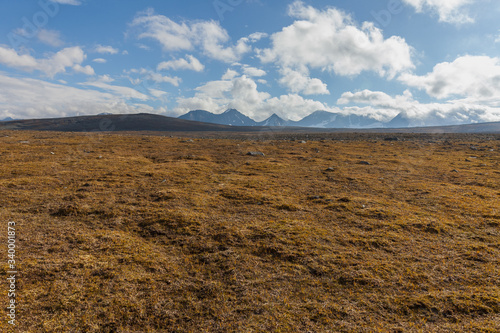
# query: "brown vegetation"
(144, 233)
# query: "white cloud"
(450, 11)
(10, 57)
(100, 60)
(106, 49)
(105, 78)
(31, 98)
(68, 2)
(376, 98)
(147, 75)
(190, 63)
(256, 36)
(88, 70)
(473, 77)
(330, 40)
(158, 78)
(240, 92)
(160, 94)
(50, 37)
(208, 36)
(69, 57)
(384, 108)
(298, 82)
(253, 72)
(121, 91)
(230, 74)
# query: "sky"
(434, 61)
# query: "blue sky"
(435, 61)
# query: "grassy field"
(145, 233)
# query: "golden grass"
(144, 233)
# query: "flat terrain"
(152, 233)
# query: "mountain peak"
(230, 117)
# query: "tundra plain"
(143, 232)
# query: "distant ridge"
(132, 122)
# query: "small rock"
(454, 170)
(330, 169)
(52, 153)
(255, 153)
(364, 163)
(391, 139)
(303, 141)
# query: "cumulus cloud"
(473, 77)
(376, 98)
(300, 82)
(450, 11)
(208, 36)
(189, 63)
(330, 40)
(100, 60)
(70, 57)
(87, 70)
(230, 74)
(253, 71)
(106, 49)
(241, 92)
(256, 36)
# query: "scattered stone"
(303, 141)
(391, 139)
(255, 153)
(52, 153)
(330, 169)
(473, 148)
(187, 141)
(364, 163)
(454, 170)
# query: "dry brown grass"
(134, 233)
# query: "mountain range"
(330, 120)
(318, 119)
(155, 123)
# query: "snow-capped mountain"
(231, 117)
(274, 121)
